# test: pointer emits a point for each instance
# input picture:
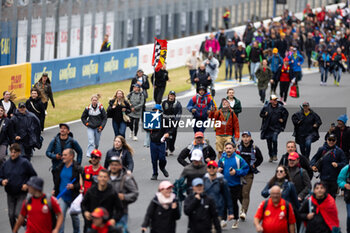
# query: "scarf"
(328, 210)
(165, 201)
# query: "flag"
(159, 54)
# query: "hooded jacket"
(160, 219)
(202, 214)
(94, 117)
(137, 100)
(270, 122)
(27, 126)
(236, 162)
(246, 154)
(6, 132)
(263, 77)
(126, 184)
(202, 104)
(294, 60)
(55, 147)
(219, 191)
(304, 126)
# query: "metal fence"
(35, 30)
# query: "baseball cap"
(115, 159)
(275, 50)
(21, 105)
(157, 107)
(224, 99)
(273, 97)
(197, 181)
(36, 182)
(212, 163)
(165, 185)
(96, 153)
(199, 134)
(140, 70)
(65, 125)
(100, 212)
(202, 87)
(136, 85)
(294, 49)
(286, 59)
(293, 156)
(241, 44)
(229, 40)
(196, 155)
(247, 133)
(172, 93)
(306, 104)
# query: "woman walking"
(6, 134)
(94, 118)
(8, 104)
(118, 109)
(264, 76)
(136, 99)
(284, 80)
(36, 106)
(44, 87)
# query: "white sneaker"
(223, 223)
(171, 153)
(134, 138)
(235, 224)
(242, 216)
(131, 134)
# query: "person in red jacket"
(100, 223)
(91, 171)
(338, 59)
(284, 80)
(229, 125)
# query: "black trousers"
(171, 140)
(309, 62)
(284, 87)
(275, 77)
(262, 94)
(236, 194)
(158, 94)
(134, 125)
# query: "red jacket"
(228, 126)
(285, 74)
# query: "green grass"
(71, 103)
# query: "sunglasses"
(95, 157)
(279, 171)
(291, 159)
(331, 140)
(211, 167)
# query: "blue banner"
(88, 70)
(5, 43)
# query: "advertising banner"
(16, 78)
(5, 46)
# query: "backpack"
(49, 204)
(253, 152)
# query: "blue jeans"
(93, 140)
(75, 217)
(147, 139)
(324, 74)
(119, 128)
(337, 74)
(348, 218)
(253, 68)
(305, 145)
(192, 72)
(228, 68)
(272, 144)
(123, 222)
(158, 153)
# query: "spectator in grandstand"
(94, 118)
(36, 106)
(118, 109)
(106, 45)
(44, 87)
(8, 104)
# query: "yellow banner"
(16, 78)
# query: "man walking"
(253, 157)
(342, 133)
(255, 57)
(14, 175)
(67, 185)
(63, 140)
(306, 124)
(276, 63)
(38, 210)
(192, 62)
(275, 213)
(234, 168)
(159, 80)
(274, 119)
(91, 171)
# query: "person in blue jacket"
(295, 61)
(200, 106)
(234, 169)
(328, 161)
(275, 62)
(63, 140)
(324, 61)
(344, 183)
(283, 180)
(216, 187)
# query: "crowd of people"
(212, 183)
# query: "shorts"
(220, 142)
